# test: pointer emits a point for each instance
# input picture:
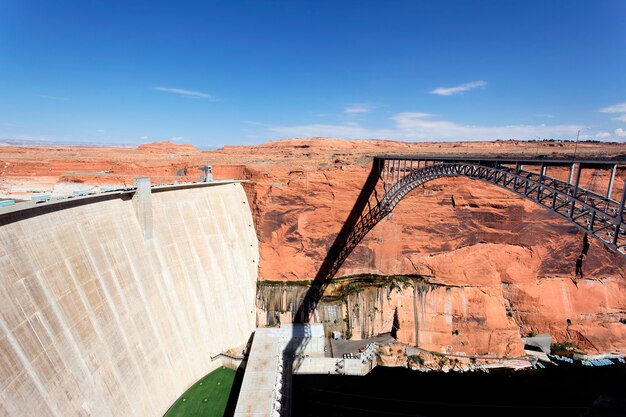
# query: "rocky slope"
(486, 271)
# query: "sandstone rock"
(508, 263)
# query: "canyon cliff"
(481, 267)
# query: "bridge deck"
(510, 159)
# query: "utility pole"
(577, 135)
(538, 143)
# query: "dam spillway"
(98, 317)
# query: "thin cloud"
(358, 108)
(330, 131)
(413, 126)
(53, 97)
(616, 108)
(423, 126)
(186, 93)
(459, 89)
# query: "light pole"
(578, 134)
(538, 143)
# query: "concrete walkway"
(277, 353)
(264, 390)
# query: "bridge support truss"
(600, 214)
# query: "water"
(554, 391)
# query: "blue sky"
(212, 73)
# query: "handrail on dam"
(17, 210)
(599, 214)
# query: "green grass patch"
(206, 398)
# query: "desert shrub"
(417, 359)
(563, 349)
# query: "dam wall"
(106, 310)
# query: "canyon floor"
(478, 275)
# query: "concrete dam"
(113, 304)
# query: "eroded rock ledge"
(461, 319)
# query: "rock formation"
(492, 267)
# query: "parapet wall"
(97, 318)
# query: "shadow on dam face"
(231, 405)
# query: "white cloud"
(143, 138)
(176, 138)
(186, 93)
(602, 135)
(546, 115)
(54, 98)
(347, 131)
(459, 89)
(616, 108)
(358, 108)
(413, 126)
(422, 126)
(620, 132)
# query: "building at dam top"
(114, 303)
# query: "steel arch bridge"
(600, 215)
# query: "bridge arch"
(598, 215)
